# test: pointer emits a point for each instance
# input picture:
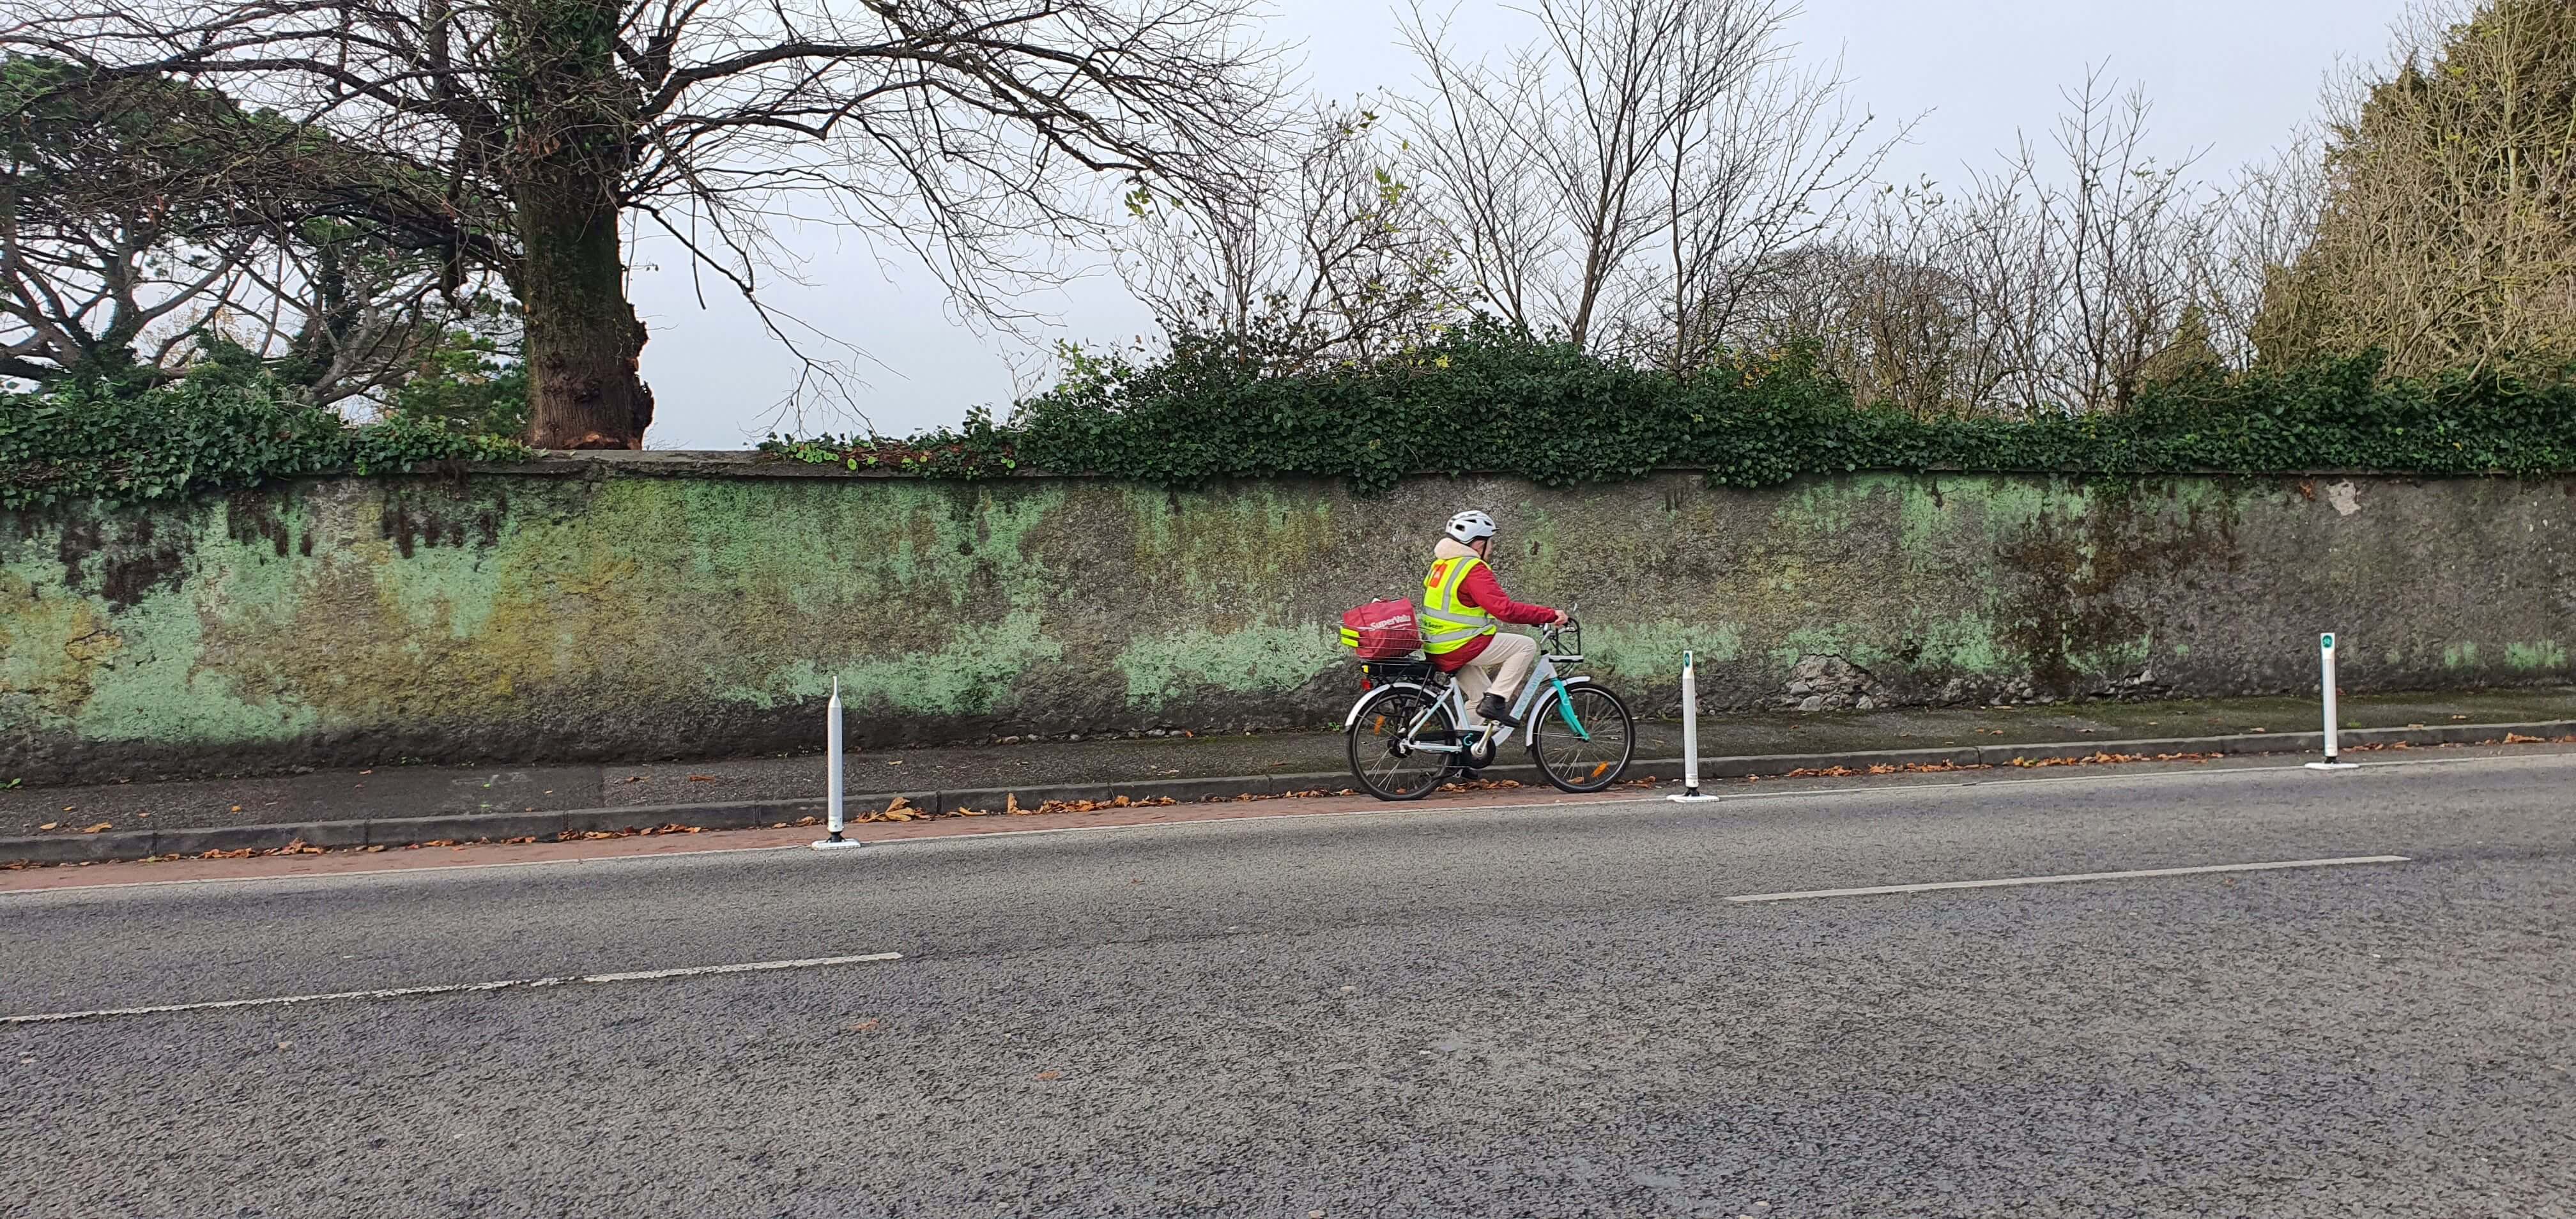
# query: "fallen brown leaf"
(1050, 1075)
(104, 825)
(49, 825)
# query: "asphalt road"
(1537, 1012)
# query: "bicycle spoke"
(1386, 742)
(1584, 740)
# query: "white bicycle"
(1405, 738)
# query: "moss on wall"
(524, 616)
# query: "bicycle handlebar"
(1571, 622)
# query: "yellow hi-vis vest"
(1447, 624)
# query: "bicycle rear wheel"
(1383, 758)
(1582, 738)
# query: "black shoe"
(1493, 707)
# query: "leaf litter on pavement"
(901, 809)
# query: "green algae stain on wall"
(52, 644)
(1163, 670)
(2535, 657)
(923, 598)
(645, 615)
(976, 676)
(446, 590)
(1654, 649)
(1219, 543)
(1964, 643)
(142, 665)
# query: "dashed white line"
(455, 988)
(1877, 890)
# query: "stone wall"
(652, 605)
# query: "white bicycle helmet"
(1469, 526)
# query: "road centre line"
(1879, 890)
(458, 988)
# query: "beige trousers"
(1500, 668)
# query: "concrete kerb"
(461, 827)
(1785, 763)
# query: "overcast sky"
(2233, 77)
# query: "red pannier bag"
(1382, 630)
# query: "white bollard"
(832, 772)
(2326, 661)
(1690, 793)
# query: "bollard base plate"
(836, 844)
(1693, 796)
(2334, 765)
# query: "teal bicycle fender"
(1565, 709)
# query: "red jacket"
(1482, 590)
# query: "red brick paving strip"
(403, 859)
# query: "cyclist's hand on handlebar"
(1561, 619)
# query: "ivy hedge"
(1483, 400)
(1487, 401)
(119, 444)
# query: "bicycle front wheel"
(1383, 738)
(1582, 738)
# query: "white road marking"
(1876, 890)
(455, 988)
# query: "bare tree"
(1889, 306)
(2093, 270)
(960, 128)
(1327, 255)
(1772, 169)
(2059, 283)
(2266, 222)
(338, 315)
(1618, 179)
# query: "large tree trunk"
(583, 338)
(573, 139)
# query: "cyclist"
(1460, 602)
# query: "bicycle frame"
(1543, 677)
